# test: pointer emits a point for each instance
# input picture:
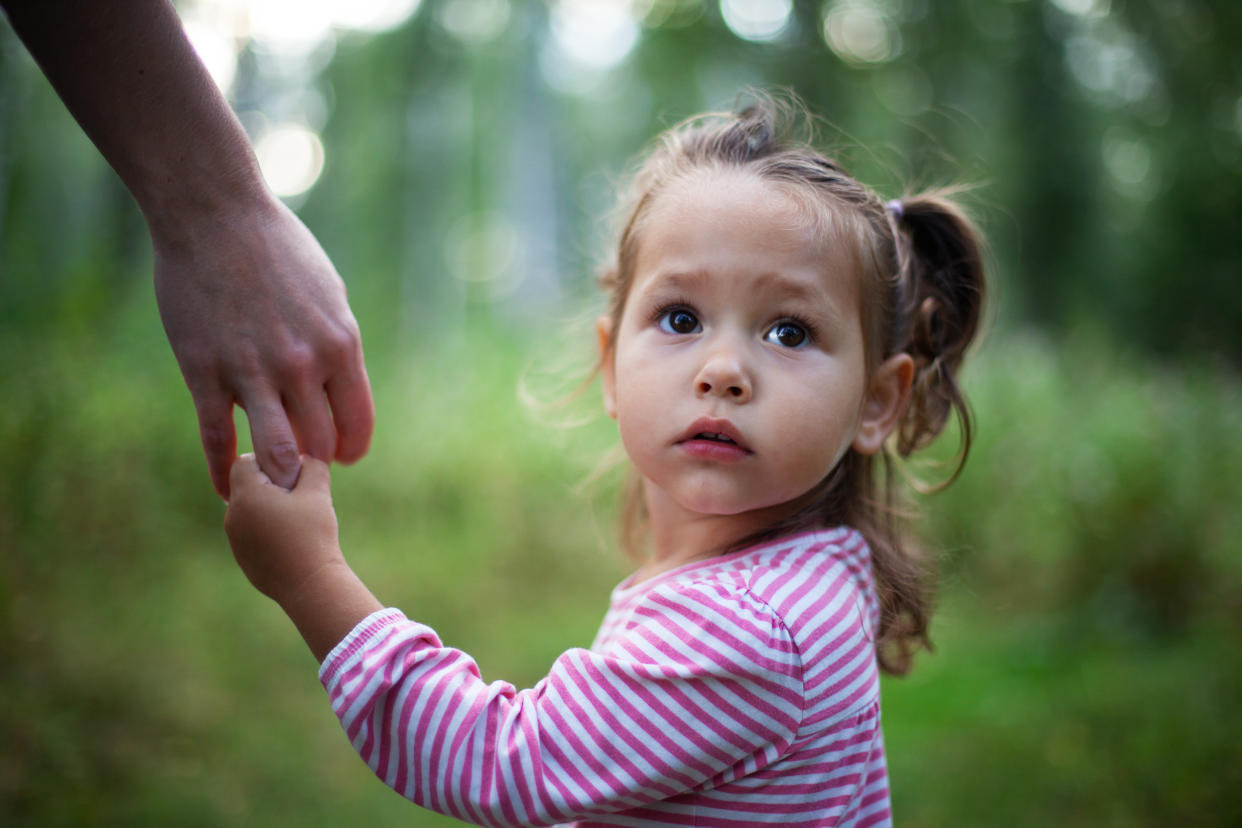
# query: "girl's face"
(737, 374)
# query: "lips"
(709, 432)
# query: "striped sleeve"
(704, 687)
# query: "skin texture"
(744, 312)
(253, 308)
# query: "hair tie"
(896, 209)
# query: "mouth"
(709, 431)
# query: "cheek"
(631, 395)
(637, 414)
(638, 375)
(819, 426)
(643, 400)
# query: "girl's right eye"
(678, 321)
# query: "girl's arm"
(286, 543)
(682, 715)
(666, 724)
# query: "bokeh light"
(1093, 553)
(1130, 165)
(1109, 60)
(291, 27)
(291, 40)
(1083, 8)
(756, 19)
(291, 157)
(373, 16)
(485, 248)
(595, 34)
(217, 52)
(673, 14)
(859, 31)
(474, 22)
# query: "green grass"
(1020, 720)
(1086, 670)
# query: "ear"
(607, 364)
(885, 402)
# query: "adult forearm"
(128, 74)
(254, 310)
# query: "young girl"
(772, 322)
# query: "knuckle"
(297, 362)
(252, 363)
(344, 339)
(197, 361)
(282, 454)
(216, 437)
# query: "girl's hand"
(282, 539)
(286, 543)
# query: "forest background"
(458, 160)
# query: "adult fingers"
(353, 411)
(312, 423)
(275, 446)
(216, 430)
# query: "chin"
(707, 505)
(724, 505)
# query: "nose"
(724, 375)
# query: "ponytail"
(936, 304)
(941, 284)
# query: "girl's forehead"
(734, 223)
(711, 183)
(705, 191)
(733, 203)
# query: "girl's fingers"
(246, 473)
(316, 474)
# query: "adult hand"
(256, 315)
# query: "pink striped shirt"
(737, 691)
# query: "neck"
(680, 536)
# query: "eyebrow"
(786, 288)
(678, 280)
(792, 289)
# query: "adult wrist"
(200, 199)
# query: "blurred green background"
(457, 159)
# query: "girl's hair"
(920, 260)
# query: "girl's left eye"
(788, 334)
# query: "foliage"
(146, 683)
(1085, 671)
(1105, 137)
